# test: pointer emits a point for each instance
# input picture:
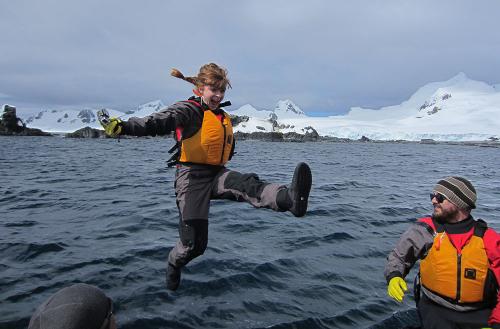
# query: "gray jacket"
(412, 246)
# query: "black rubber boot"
(296, 196)
(173, 277)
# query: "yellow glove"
(396, 288)
(113, 128)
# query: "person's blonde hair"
(210, 74)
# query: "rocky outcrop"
(309, 135)
(277, 136)
(11, 125)
(237, 119)
(87, 132)
(262, 136)
(364, 139)
(427, 141)
(86, 116)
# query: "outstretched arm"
(162, 122)
(412, 246)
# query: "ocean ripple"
(69, 215)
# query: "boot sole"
(302, 179)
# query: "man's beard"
(445, 216)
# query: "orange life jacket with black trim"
(212, 143)
(460, 278)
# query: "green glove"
(396, 288)
(113, 127)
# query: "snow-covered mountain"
(459, 109)
(287, 110)
(71, 120)
(65, 120)
(145, 109)
(250, 111)
(267, 120)
(283, 110)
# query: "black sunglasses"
(439, 197)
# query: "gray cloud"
(324, 55)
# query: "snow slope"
(459, 109)
(64, 121)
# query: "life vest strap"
(480, 228)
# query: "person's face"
(444, 210)
(211, 96)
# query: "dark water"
(103, 212)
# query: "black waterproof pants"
(434, 316)
(195, 186)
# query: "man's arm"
(413, 245)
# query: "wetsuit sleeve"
(492, 245)
(162, 122)
(412, 246)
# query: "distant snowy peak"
(458, 83)
(65, 120)
(250, 111)
(457, 89)
(435, 103)
(145, 109)
(427, 100)
(287, 110)
(71, 120)
(154, 106)
(284, 109)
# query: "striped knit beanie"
(458, 191)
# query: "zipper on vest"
(459, 275)
(224, 140)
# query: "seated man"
(459, 262)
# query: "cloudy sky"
(325, 55)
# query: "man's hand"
(396, 288)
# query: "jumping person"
(205, 143)
(459, 262)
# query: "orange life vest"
(212, 144)
(460, 278)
